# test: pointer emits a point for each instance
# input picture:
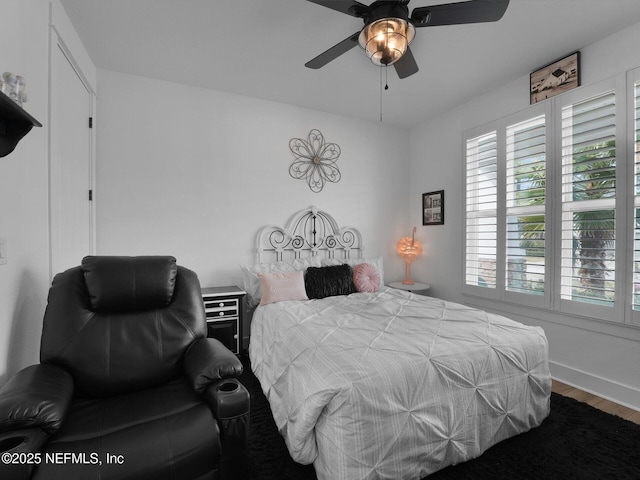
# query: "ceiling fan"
(388, 28)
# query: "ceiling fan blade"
(350, 7)
(407, 65)
(334, 52)
(472, 11)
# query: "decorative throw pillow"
(329, 281)
(250, 273)
(281, 286)
(375, 261)
(366, 278)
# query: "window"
(636, 193)
(506, 182)
(550, 218)
(526, 182)
(481, 204)
(588, 200)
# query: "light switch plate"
(3, 250)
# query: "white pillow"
(376, 262)
(251, 281)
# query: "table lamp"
(409, 248)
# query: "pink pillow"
(280, 286)
(366, 278)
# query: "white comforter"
(394, 385)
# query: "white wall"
(24, 43)
(195, 173)
(591, 355)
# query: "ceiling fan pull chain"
(386, 85)
(386, 77)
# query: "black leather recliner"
(128, 387)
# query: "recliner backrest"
(121, 324)
(129, 284)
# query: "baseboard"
(602, 387)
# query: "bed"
(385, 384)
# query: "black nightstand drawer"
(211, 303)
(221, 312)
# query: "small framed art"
(433, 208)
(555, 78)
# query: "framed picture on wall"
(433, 208)
(555, 78)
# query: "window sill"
(535, 314)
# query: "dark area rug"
(576, 442)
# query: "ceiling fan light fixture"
(386, 40)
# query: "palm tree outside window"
(588, 200)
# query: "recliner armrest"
(231, 405)
(37, 396)
(27, 441)
(207, 360)
(211, 367)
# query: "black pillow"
(323, 282)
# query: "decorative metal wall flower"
(315, 160)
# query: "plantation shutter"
(481, 211)
(588, 200)
(636, 192)
(526, 195)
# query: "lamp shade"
(409, 248)
(386, 40)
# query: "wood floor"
(595, 401)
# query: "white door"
(70, 164)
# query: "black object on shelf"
(15, 123)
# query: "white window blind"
(588, 200)
(526, 197)
(636, 192)
(481, 211)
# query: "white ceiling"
(258, 48)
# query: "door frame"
(56, 41)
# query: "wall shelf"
(15, 123)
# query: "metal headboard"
(309, 232)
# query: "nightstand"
(416, 287)
(223, 309)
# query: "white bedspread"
(392, 385)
